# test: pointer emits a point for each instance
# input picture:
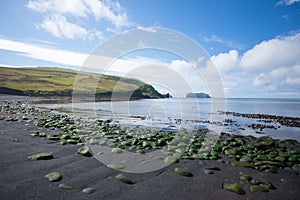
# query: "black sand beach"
(22, 178)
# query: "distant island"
(197, 95)
(58, 82)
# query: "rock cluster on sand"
(283, 120)
(263, 154)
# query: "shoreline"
(20, 175)
(238, 123)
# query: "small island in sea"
(197, 95)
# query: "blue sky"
(255, 44)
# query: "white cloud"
(190, 74)
(148, 29)
(44, 53)
(71, 7)
(227, 66)
(293, 81)
(14, 66)
(226, 61)
(260, 80)
(112, 11)
(270, 66)
(62, 17)
(60, 56)
(287, 2)
(228, 43)
(279, 76)
(178, 76)
(241, 74)
(60, 27)
(274, 53)
(213, 79)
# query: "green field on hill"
(49, 81)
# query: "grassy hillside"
(48, 81)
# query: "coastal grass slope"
(52, 81)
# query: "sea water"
(190, 113)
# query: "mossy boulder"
(273, 163)
(255, 181)
(171, 159)
(242, 164)
(88, 190)
(296, 168)
(38, 134)
(65, 186)
(72, 141)
(65, 137)
(245, 158)
(183, 172)
(85, 151)
(54, 176)
(245, 178)
(53, 137)
(208, 171)
(213, 168)
(41, 156)
(146, 145)
(140, 151)
(234, 187)
(258, 188)
(63, 142)
(117, 167)
(269, 185)
(117, 150)
(124, 179)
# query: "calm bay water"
(190, 113)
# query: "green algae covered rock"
(38, 134)
(208, 171)
(255, 181)
(277, 164)
(41, 156)
(258, 188)
(53, 137)
(72, 141)
(296, 168)
(88, 190)
(117, 150)
(65, 186)
(284, 180)
(85, 151)
(242, 164)
(246, 178)
(63, 142)
(146, 145)
(269, 185)
(140, 151)
(234, 187)
(117, 167)
(124, 179)
(54, 176)
(213, 168)
(183, 172)
(65, 137)
(171, 159)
